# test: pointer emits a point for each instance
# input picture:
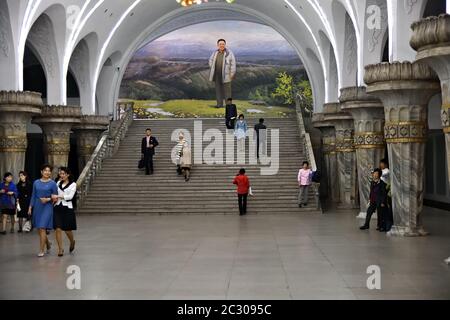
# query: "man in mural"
(222, 71)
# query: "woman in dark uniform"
(8, 200)
(64, 213)
(25, 188)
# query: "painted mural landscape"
(169, 77)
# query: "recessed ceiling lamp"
(188, 3)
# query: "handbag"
(27, 226)
(141, 164)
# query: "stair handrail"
(107, 146)
(307, 147)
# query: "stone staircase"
(120, 188)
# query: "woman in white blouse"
(64, 213)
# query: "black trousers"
(230, 123)
(148, 160)
(242, 199)
(382, 212)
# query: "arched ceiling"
(317, 29)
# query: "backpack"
(316, 177)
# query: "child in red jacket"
(243, 188)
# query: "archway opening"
(435, 8)
(170, 76)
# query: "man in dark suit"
(377, 202)
(261, 137)
(149, 143)
(230, 114)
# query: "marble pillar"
(329, 156)
(431, 40)
(368, 117)
(345, 159)
(16, 110)
(88, 133)
(405, 90)
(57, 123)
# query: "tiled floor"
(227, 257)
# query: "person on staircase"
(241, 133)
(243, 189)
(304, 179)
(64, 212)
(377, 202)
(149, 143)
(261, 138)
(8, 201)
(186, 161)
(179, 152)
(230, 114)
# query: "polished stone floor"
(226, 257)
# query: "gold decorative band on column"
(13, 144)
(58, 148)
(345, 145)
(328, 148)
(369, 140)
(447, 130)
(445, 116)
(86, 150)
(406, 132)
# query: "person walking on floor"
(377, 202)
(230, 114)
(304, 179)
(386, 178)
(149, 143)
(186, 161)
(241, 133)
(8, 201)
(261, 138)
(64, 212)
(25, 189)
(243, 189)
(44, 195)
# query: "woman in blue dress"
(241, 132)
(45, 194)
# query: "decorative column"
(329, 155)
(56, 123)
(16, 110)
(368, 117)
(405, 90)
(431, 39)
(346, 159)
(338, 134)
(88, 133)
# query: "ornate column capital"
(399, 76)
(90, 122)
(430, 33)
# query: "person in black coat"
(149, 143)
(377, 201)
(260, 138)
(230, 114)
(25, 188)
